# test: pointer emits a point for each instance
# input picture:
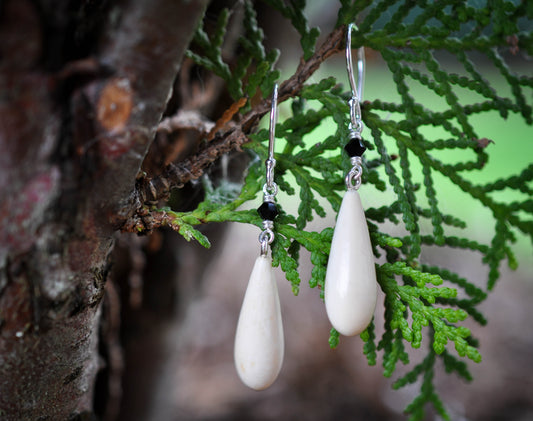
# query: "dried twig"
(226, 117)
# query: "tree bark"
(79, 104)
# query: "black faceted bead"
(355, 147)
(268, 211)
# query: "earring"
(259, 343)
(350, 292)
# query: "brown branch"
(186, 119)
(176, 175)
(146, 222)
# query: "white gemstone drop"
(259, 343)
(351, 288)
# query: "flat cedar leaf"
(188, 232)
(309, 42)
(334, 338)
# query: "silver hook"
(353, 178)
(270, 163)
(270, 189)
(357, 89)
(356, 126)
(273, 121)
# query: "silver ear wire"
(273, 122)
(356, 126)
(270, 187)
(268, 210)
(357, 88)
(355, 148)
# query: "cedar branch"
(231, 138)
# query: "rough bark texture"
(78, 112)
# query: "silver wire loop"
(353, 178)
(269, 193)
(267, 236)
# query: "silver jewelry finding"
(353, 178)
(357, 88)
(270, 188)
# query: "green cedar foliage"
(421, 301)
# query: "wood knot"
(115, 104)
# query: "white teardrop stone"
(351, 288)
(259, 343)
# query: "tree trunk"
(82, 88)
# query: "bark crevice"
(74, 130)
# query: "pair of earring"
(350, 288)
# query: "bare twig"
(146, 222)
(227, 117)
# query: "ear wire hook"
(268, 210)
(273, 121)
(270, 187)
(357, 88)
(355, 148)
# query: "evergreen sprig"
(423, 303)
(293, 10)
(254, 64)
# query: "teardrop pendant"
(259, 343)
(351, 289)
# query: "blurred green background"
(510, 150)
